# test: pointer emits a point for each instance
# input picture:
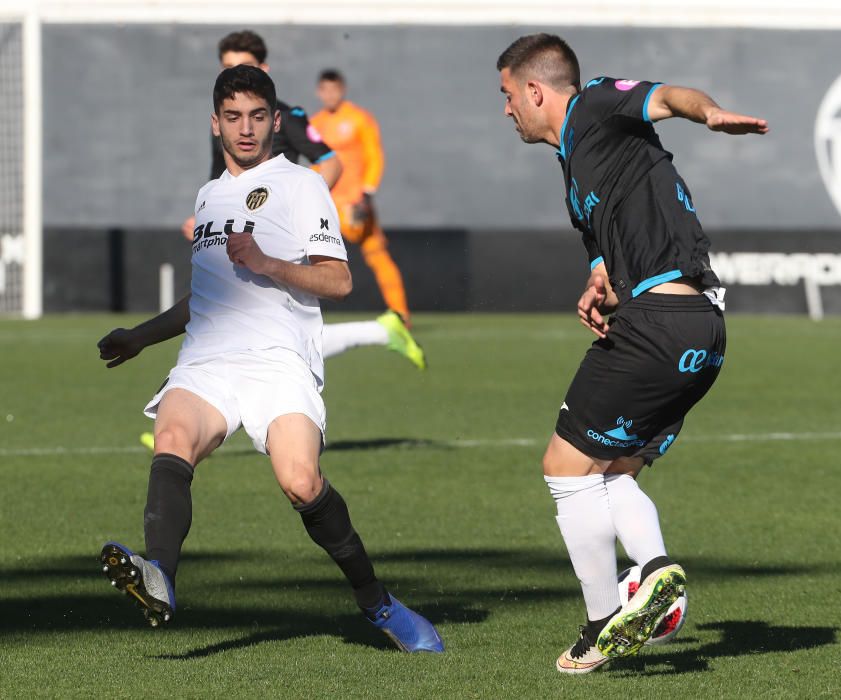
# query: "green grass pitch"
(442, 475)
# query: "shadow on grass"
(448, 585)
(72, 567)
(487, 560)
(381, 443)
(353, 629)
(737, 638)
(353, 445)
(272, 624)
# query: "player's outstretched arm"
(122, 344)
(672, 101)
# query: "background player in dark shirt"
(296, 138)
(663, 348)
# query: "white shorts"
(250, 389)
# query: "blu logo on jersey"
(590, 202)
(211, 237)
(683, 198)
(206, 230)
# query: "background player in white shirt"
(266, 248)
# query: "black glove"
(363, 210)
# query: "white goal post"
(21, 284)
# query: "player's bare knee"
(300, 480)
(174, 439)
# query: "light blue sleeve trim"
(326, 156)
(562, 151)
(645, 116)
(595, 263)
(645, 285)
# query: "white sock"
(634, 519)
(587, 529)
(338, 337)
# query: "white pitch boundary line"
(505, 442)
(57, 451)
(764, 437)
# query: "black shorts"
(630, 395)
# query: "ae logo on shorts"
(695, 360)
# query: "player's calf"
(328, 524)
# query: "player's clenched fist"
(363, 210)
(188, 227)
(118, 346)
(588, 306)
(243, 250)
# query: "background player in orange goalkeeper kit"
(354, 135)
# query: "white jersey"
(289, 211)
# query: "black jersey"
(623, 193)
(296, 138)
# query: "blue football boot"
(408, 630)
(144, 580)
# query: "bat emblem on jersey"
(256, 198)
(828, 141)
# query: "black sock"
(596, 626)
(653, 565)
(328, 524)
(169, 511)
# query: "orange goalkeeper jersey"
(354, 135)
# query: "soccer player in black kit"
(661, 350)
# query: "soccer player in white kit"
(269, 247)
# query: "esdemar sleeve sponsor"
(315, 220)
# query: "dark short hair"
(242, 78)
(331, 75)
(545, 57)
(242, 42)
